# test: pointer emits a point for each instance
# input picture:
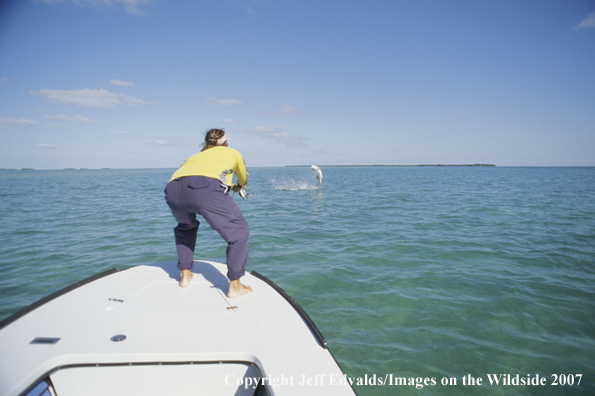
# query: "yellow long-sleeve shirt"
(218, 162)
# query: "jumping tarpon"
(318, 174)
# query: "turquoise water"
(437, 272)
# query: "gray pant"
(192, 195)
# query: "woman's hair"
(211, 138)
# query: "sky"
(137, 83)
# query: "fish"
(318, 174)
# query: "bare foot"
(237, 289)
(185, 278)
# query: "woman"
(201, 186)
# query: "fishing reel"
(242, 193)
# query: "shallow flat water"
(411, 271)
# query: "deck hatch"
(167, 296)
(226, 378)
(45, 340)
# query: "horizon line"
(325, 166)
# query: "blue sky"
(136, 83)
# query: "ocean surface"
(415, 272)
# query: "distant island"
(336, 166)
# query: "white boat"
(136, 332)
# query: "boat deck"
(168, 339)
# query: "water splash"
(289, 184)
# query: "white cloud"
(119, 83)
(77, 119)
(280, 110)
(161, 143)
(119, 133)
(286, 109)
(60, 117)
(43, 145)
(252, 4)
(83, 120)
(315, 154)
(169, 140)
(211, 100)
(279, 135)
(224, 121)
(587, 23)
(22, 121)
(89, 97)
(130, 6)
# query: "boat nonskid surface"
(162, 327)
